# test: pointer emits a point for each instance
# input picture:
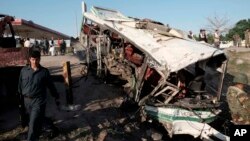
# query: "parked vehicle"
(10, 55)
(12, 59)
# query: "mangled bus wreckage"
(175, 80)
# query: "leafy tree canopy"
(239, 28)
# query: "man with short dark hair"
(190, 35)
(203, 35)
(63, 46)
(33, 81)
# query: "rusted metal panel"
(10, 57)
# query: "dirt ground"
(100, 116)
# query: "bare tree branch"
(217, 22)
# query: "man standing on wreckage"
(33, 81)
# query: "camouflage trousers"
(238, 120)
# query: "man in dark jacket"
(33, 81)
(63, 47)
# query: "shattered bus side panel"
(183, 121)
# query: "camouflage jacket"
(239, 105)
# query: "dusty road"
(99, 117)
(99, 103)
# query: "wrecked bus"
(175, 80)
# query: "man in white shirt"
(217, 38)
(27, 43)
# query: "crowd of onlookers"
(45, 46)
(237, 40)
(203, 37)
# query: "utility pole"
(76, 25)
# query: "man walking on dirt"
(239, 101)
(33, 81)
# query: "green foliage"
(223, 38)
(210, 38)
(196, 38)
(239, 28)
(234, 66)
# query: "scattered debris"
(173, 79)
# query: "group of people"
(237, 40)
(45, 46)
(203, 37)
(62, 47)
(42, 46)
(34, 79)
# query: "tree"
(239, 28)
(219, 23)
(210, 38)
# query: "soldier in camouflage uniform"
(247, 38)
(239, 101)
